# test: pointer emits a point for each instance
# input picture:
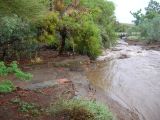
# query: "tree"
(152, 10)
(17, 25)
(153, 6)
(82, 26)
(138, 17)
(148, 23)
(62, 8)
(102, 12)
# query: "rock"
(116, 49)
(139, 52)
(63, 81)
(123, 56)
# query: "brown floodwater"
(131, 76)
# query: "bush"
(47, 33)
(88, 40)
(3, 69)
(16, 37)
(76, 109)
(150, 29)
(6, 86)
(13, 68)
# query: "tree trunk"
(63, 34)
(4, 55)
(75, 3)
(50, 5)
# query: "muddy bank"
(33, 105)
(72, 68)
(144, 45)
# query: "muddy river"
(131, 76)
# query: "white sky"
(123, 8)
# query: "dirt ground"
(41, 98)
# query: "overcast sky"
(123, 8)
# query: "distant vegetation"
(148, 24)
(80, 26)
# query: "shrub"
(3, 69)
(88, 40)
(26, 107)
(16, 37)
(76, 109)
(13, 68)
(6, 86)
(47, 33)
(150, 29)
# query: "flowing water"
(131, 76)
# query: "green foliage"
(152, 9)
(3, 69)
(23, 76)
(16, 36)
(76, 109)
(138, 17)
(26, 9)
(26, 107)
(102, 12)
(120, 27)
(6, 86)
(150, 29)
(148, 23)
(90, 26)
(87, 39)
(48, 28)
(13, 68)
(83, 35)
